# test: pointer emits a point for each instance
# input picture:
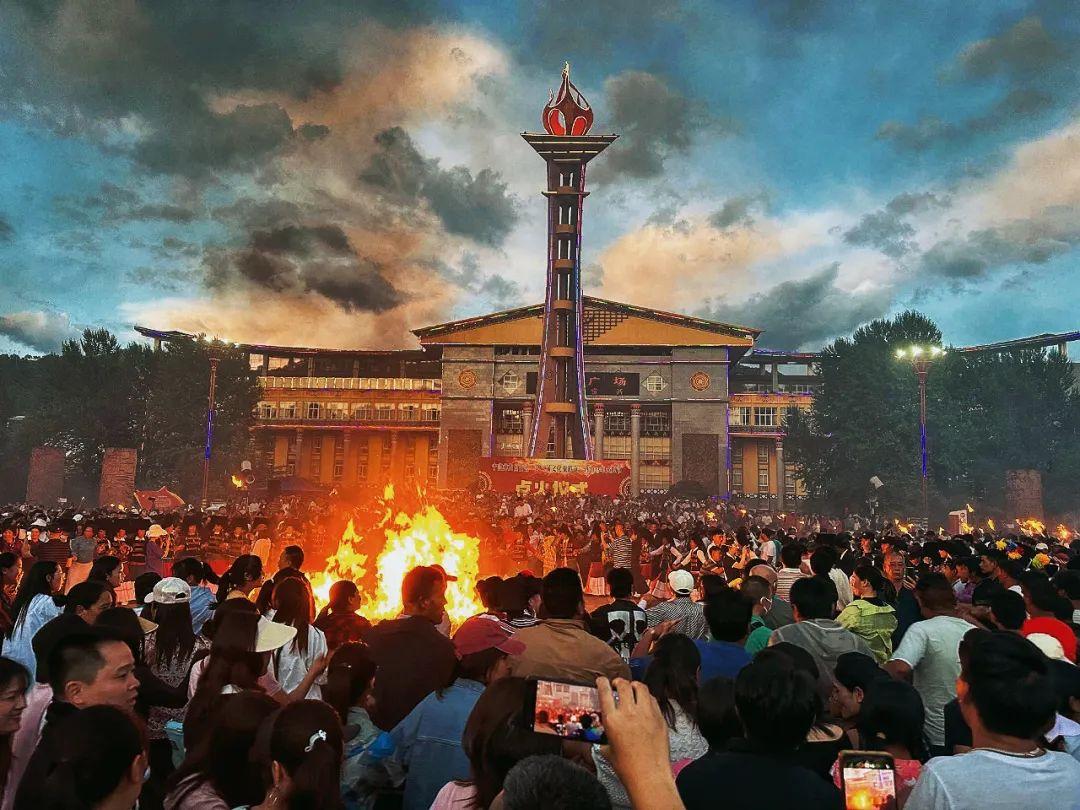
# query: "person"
(339, 620)
(292, 662)
(777, 705)
(541, 782)
(194, 573)
(621, 622)
(107, 570)
(758, 594)
(93, 668)
(156, 543)
(690, 613)
(868, 615)
(291, 564)
(243, 577)
(83, 550)
(428, 741)
(520, 599)
(929, 653)
(791, 557)
(14, 682)
(716, 716)
(34, 605)
(1007, 611)
(97, 762)
(494, 740)
(823, 563)
(220, 772)
(304, 755)
(560, 646)
(779, 613)
(11, 571)
(88, 600)
(852, 678)
(672, 678)
(413, 657)
(900, 593)
(890, 719)
(825, 639)
(1008, 700)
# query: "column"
(775, 377)
(781, 483)
(635, 449)
(299, 451)
(526, 426)
(598, 431)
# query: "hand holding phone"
(567, 710)
(869, 780)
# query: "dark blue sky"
(336, 173)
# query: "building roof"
(166, 335)
(590, 303)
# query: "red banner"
(555, 476)
(163, 499)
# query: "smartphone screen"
(567, 710)
(869, 779)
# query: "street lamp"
(214, 358)
(921, 357)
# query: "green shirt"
(758, 639)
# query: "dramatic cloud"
(38, 330)
(1020, 242)
(738, 210)
(805, 313)
(1025, 49)
(654, 122)
(479, 207)
(887, 229)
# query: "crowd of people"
(153, 659)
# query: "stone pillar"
(45, 481)
(781, 482)
(635, 449)
(598, 431)
(526, 426)
(1023, 494)
(118, 476)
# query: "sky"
(338, 172)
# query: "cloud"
(37, 329)
(654, 122)
(884, 231)
(738, 210)
(804, 313)
(915, 202)
(579, 30)
(1018, 242)
(479, 207)
(7, 233)
(1025, 49)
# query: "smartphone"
(869, 780)
(565, 709)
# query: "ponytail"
(306, 740)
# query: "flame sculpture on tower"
(565, 147)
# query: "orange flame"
(237, 482)
(1031, 525)
(1063, 534)
(990, 524)
(424, 538)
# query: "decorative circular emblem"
(700, 381)
(467, 378)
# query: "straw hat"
(273, 636)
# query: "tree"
(986, 413)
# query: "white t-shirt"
(990, 781)
(290, 667)
(932, 649)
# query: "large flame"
(423, 538)
(1031, 525)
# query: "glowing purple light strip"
(579, 354)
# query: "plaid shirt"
(681, 607)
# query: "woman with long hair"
(496, 738)
(869, 616)
(88, 600)
(11, 569)
(219, 772)
(14, 681)
(35, 604)
(109, 570)
(672, 678)
(293, 661)
(339, 620)
(304, 756)
(98, 762)
(244, 576)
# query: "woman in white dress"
(292, 662)
(34, 605)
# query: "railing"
(353, 383)
(393, 417)
(733, 428)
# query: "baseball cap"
(681, 581)
(169, 591)
(479, 633)
(448, 577)
(1055, 628)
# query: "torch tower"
(566, 148)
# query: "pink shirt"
(454, 797)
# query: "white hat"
(1049, 646)
(40, 523)
(273, 635)
(681, 581)
(77, 517)
(1042, 547)
(169, 591)
(155, 530)
(147, 626)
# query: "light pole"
(921, 357)
(210, 409)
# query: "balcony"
(422, 419)
(766, 430)
(352, 383)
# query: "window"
(337, 411)
(286, 410)
(762, 453)
(409, 411)
(803, 388)
(654, 476)
(763, 467)
(737, 470)
(410, 457)
(655, 382)
(384, 411)
(315, 465)
(433, 460)
(362, 457)
(616, 447)
(763, 479)
(314, 410)
(789, 481)
(510, 381)
(740, 416)
(656, 423)
(268, 410)
(363, 410)
(655, 448)
(616, 423)
(509, 422)
(508, 444)
(764, 417)
(387, 450)
(277, 362)
(339, 458)
(430, 413)
(255, 362)
(290, 457)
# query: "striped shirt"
(621, 550)
(785, 578)
(692, 614)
